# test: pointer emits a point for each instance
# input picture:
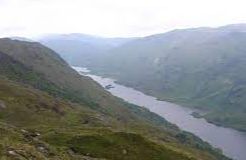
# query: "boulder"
(124, 151)
(2, 105)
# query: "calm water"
(230, 141)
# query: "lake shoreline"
(230, 141)
(171, 100)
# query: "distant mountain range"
(22, 39)
(80, 48)
(203, 68)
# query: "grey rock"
(2, 105)
(124, 151)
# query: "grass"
(78, 129)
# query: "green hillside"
(48, 111)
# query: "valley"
(202, 68)
(122, 80)
(49, 111)
(230, 141)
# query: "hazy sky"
(115, 17)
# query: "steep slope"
(33, 124)
(81, 48)
(48, 111)
(200, 67)
(50, 73)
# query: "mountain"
(80, 48)
(49, 111)
(202, 68)
(21, 39)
